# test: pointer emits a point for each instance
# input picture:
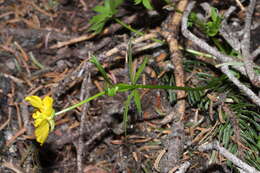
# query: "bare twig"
(255, 54)
(26, 117)
(224, 58)
(158, 159)
(2, 126)
(245, 45)
(19, 133)
(13, 78)
(73, 41)
(96, 136)
(241, 86)
(239, 163)
(170, 33)
(183, 168)
(240, 5)
(174, 144)
(84, 94)
(202, 44)
(174, 141)
(226, 32)
(13, 167)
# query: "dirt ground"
(45, 50)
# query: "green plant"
(249, 128)
(134, 76)
(45, 114)
(106, 12)
(211, 27)
(146, 3)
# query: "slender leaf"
(126, 108)
(147, 4)
(95, 61)
(130, 62)
(137, 101)
(140, 70)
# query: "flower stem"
(80, 103)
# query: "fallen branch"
(239, 163)
(228, 59)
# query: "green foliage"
(146, 3)
(134, 76)
(106, 12)
(246, 115)
(95, 61)
(211, 27)
(249, 131)
(133, 87)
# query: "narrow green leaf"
(106, 12)
(95, 61)
(97, 19)
(221, 131)
(137, 100)
(126, 108)
(114, 4)
(130, 62)
(226, 135)
(140, 70)
(99, 9)
(97, 23)
(147, 4)
(97, 28)
(122, 87)
(107, 5)
(138, 2)
(214, 14)
(258, 142)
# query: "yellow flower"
(43, 116)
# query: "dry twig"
(226, 59)
(84, 94)
(13, 167)
(170, 32)
(239, 163)
(245, 46)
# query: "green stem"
(194, 52)
(35, 61)
(126, 87)
(80, 103)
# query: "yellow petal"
(47, 102)
(35, 101)
(36, 115)
(38, 121)
(42, 132)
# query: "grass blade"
(130, 62)
(95, 61)
(137, 100)
(126, 108)
(140, 70)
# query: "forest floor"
(45, 50)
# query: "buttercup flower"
(43, 116)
